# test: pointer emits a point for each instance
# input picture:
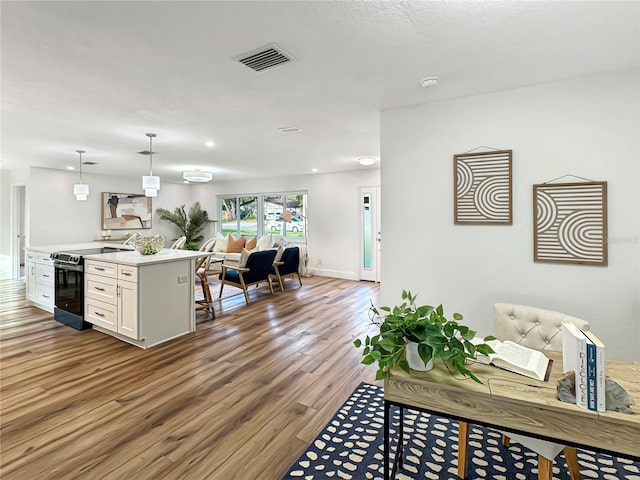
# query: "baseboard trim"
(334, 274)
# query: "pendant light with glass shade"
(81, 190)
(150, 183)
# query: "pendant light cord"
(150, 135)
(150, 156)
(80, 152)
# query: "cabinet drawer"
(127, 273)
(44, 259)
(101, 288)
(101, 314)
(30, 256)
(44, 295)
(44, 274)
(101, 268)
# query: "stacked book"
(583, 353)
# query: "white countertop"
(66, 247)
(135, 259)
(130, 257)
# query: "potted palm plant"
(407, 331)
(191, 224)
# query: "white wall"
(584, 126)
(333, 213)
(55, 216)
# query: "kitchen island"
(144, 300)
(39, 270)
(141, 299)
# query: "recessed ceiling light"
(210, 144)
(290, 129)
(367, 161)
(314, 170)
(70, 168)
(427, 82)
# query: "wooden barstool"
(202, 265)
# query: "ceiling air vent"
(265, 58)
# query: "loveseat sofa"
(235, 249)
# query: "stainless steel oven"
(69, 294)
(69, 286)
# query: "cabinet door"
(128, 309)
(31, 281)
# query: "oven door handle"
(66, 266)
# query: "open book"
(516, 358)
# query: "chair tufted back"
(532, 327)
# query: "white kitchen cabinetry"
(110, 301)
(40, 274)
(128, 309)
(141, 300)
(30, 274)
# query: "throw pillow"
(279, 254)
(221, 243)
(244, 256)
(251, 243)
(236, 244)
(265, 242)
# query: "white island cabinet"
(39, 275)
(143, 300)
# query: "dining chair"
(179, 243)
(542, 330)
(206, 303)
(130, 239)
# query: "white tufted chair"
(533, 328)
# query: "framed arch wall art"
(482, 188)
(570, 223)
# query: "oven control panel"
(65, 258)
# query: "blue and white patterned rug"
(350, 447)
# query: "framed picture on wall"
(125, 211)
(570, 223)
(482, 188)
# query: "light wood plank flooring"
(241, 398)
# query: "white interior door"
(370, 234)
(17, 230)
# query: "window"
(262, 214)
(239, 215)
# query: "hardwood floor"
(241, 398)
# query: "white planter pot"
(415, 362)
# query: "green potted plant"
(191, 224)
(405, 328)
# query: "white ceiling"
(98, 75)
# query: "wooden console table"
(518, 404)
